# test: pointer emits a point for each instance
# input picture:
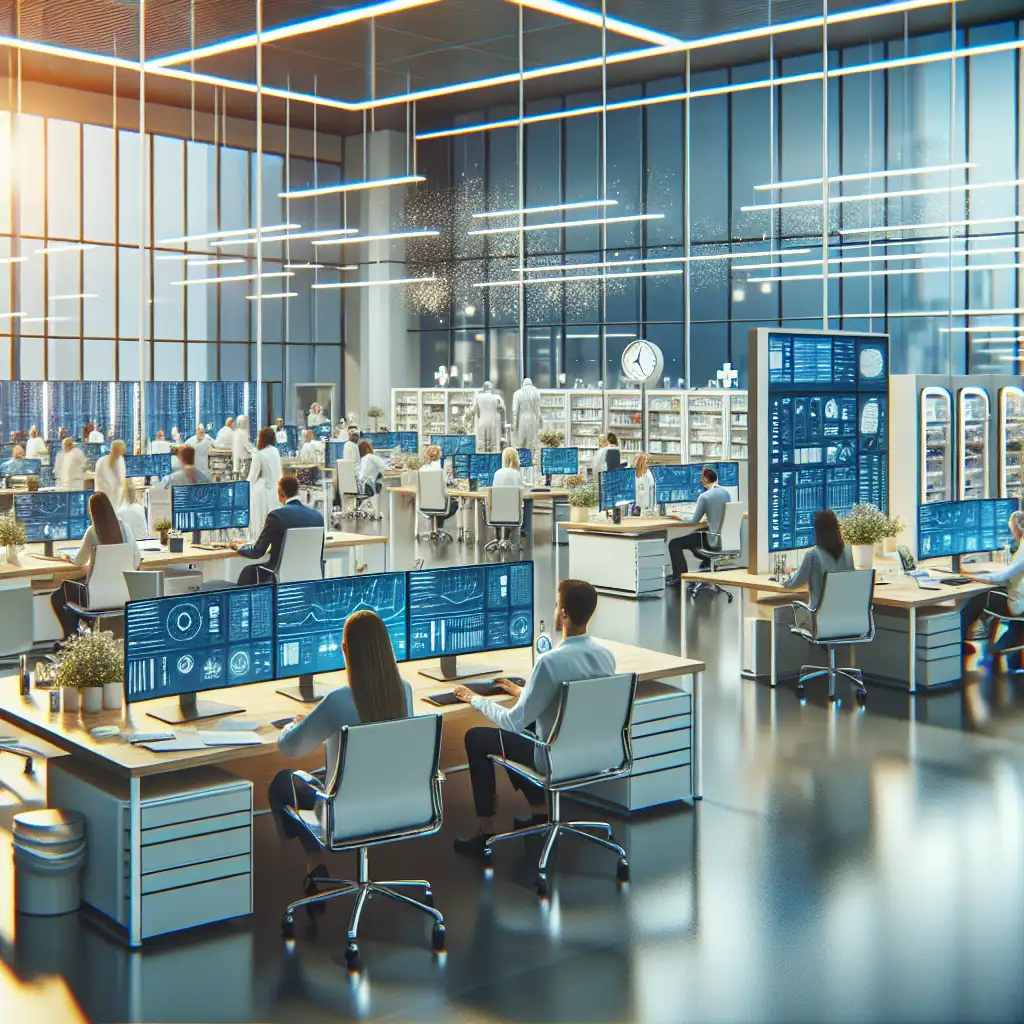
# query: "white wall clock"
(642, 361)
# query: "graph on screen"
(675, 484)
(147, 465)
(454, 444)
(616, 487)
(946, 528)
(478, 466)
(560, 461)
(210, 506)
(53, 515)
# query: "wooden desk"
(263, 704)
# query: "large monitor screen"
(147, 465)
(468, 609)
(311, 619)
(206, 641)
(333, 451)
(53, 515)
(728, 472)
(92, 452)
(21, 467)
(454, 444)
(525, 458)
(210, 506)
(675, 484)
(616, 487)
(560, 461)
(407, 440)
(479, 466)
(946, 528)
(827, 430)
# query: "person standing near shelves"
(597, 463)
(645, 489)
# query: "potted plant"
(894, 526)
(411, 463)
(12, 536)
(551, 438)
(862, 529)
(163, 530)
(375, 412)
(582, 498)
(91, 664)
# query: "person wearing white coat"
(201, 443)
(264, 474)
(241, 446)
(110, 474)
(131, 513)
(510, 474)
(96, 436)
(35, 447)
(70, 467)
(645, 488)
(226, 435)
(312, 451)
(160, 445)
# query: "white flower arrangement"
(867, 524)
(12, 533)
(90, 658)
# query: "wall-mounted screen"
(560, 461)
(616, 487)
(946, 528)
(21, 467)
(210, 506)
(407, 440)
(53, 515)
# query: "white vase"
(863, 555)
(112, 696)
(92, 699)
(579, 514)
(71, 699)
(12, 554)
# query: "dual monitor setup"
(382, 441)
(673, 485)
(183, 646)
(949, 529)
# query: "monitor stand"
(956, 564)
(547, 479)
(307, 692)
(197, 538)
(48, 548)
(191, 710)
(449, 670)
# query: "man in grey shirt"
(711, 505)
(187, 474)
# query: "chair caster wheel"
(437, 938)
(838, 701)
(352, 957)
(540, 883)
(428, 898)
(288, 927)
(861, 697)
(622, 870)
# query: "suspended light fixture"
(272, 295)
(871, 196)
(908, 271)
(709, 257)
(562, 224)
(526, 210)
(863, 176)
(578, 277)
(234, 277)
(233, 233)
(321, 233)
(81, 295)
(370, 284)
(936, 224)
(353, 186)
(377, 238)
(53, 250)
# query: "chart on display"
(53, 515)
(560, 461)
(946, 528)
(525, 458)
(210, 506)
(179, 645)
(616, 487)
(311, 617)
(827, 430)
(472, 608)
(385, 441)
(147, 465)
(478, 466)
(454, 444)
(21, 467)
(676, 484)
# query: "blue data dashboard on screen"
(92, 452)
(147, 465)
(472, 608)
(333, 451)
(828, 424)
(560, 461)
(946, 528)
(454, 444)
(407, 440)
(210, 506)
(53, 515)
(479, 466)
(311, 619)
(676, 484)
(616, 487)
(322, 432)
(21, 467)
(179, 645)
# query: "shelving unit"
(554, 411)
(737, 425)
(665, 424)
(624, 416)
(706, 437)
(936, 458)
(405, 408)
(586, 422)
(973, 415)
(1011, 440)
(460, 410)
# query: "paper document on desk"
(233, 725)
(179, 743)
(217, 738)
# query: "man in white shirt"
(312, 451)
(110, 470)
(96, 436)
(576, 657)
(280, 434)
(350, 453)
(36, 447)
(226, 435)
(70, 467)
(201, 443)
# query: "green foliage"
(11, 531)
(90, 658)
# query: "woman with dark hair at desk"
(829, 554)
(106, 528)
(375, 693)
(1008, 602)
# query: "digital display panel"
(616, 487)
(285, 450)
(7, 450)
(525, 458)
(206, 641)
(310, 619)
(946, 528)
(92, 452)
(323, 432)
(478, 466)
(560, 461)
(147, 465)
(454, 444)
(53, 515)
(471, 608)
(675, 484)
(333, 451)
(407, 440)
(827, 430)
(728, 472)
(21, 467)
(291, 440)
(210, 506)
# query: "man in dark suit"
(291, 515)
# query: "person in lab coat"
(645, 489)
(241, 446)
(316, 415)
(110, 474)
(226, 435)
(510, 474)
(70, 467)
(264, 473)
(280, 434)
(36, 447)
(371, 469)
(95, 435)
(201, 443)
(160, 445)
(312, 451)
(350, 453)
(132, 513)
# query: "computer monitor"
(525, 458)
(147, 465)
(322, 432)
(7, 450)
(53, 515)
(333, 451)
(197, 507)
(454, 444)
(466, 610)
(285, 450)
(952, 528)
(559, 461)
(728, 473)
(676, 484)
(182, 646)
(21, 467)
(407, 440)
(292, 439)
(616, 487)
(478, 466)
(310, 620)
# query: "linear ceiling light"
(63, 51)
(44, 319)
(352, 186)
(13, 259)
(234, 277)
(370, 284)
(663, 259)
(322, 233)
(216, 262)
(935, 224)
(377, 238)
(893, 273)
(10, 316)
(233, 233)
(560, 224)
(594, 19)
(583, 205)
(863, 176)
(81, 295)
(579, 277)
(272, 295)
(882, 258)
(898, 194)
(52, 250)
(972, 330)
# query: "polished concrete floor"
(842, 866)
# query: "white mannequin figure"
(526, 416)
(488, 418)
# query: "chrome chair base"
(437, 533)
(20, 751)
(502, 541)
(832, 672)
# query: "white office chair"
(302, 557)
(158, 506)
(16, 631)
(998, 618)
(348, 487)
(432, 503)
(504, 515)
(384, 788)
(589, 743)
(729, 548)
(106, 589)
(843, 617)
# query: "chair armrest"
(800, 608)
(270, 573)
(312, 781)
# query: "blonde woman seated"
(432, 464)
(510, 475)
(131, 512)
(645, 488)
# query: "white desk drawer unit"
(619, 563)
(661, 737)
(196, 855)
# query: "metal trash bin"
(49, 851)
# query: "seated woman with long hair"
(829, 554)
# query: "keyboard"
(485, 688)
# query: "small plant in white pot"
(862, 529)
(12, 536)
(92, 664)
(582, 500)
(894, 526)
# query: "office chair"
(302, 557)
(504, 515)
(384, 788)
(106, 588)
(589, 743)
(843, 617)
(729, 548)
(432, 504)
(348, 487)
(16, 632)
(1000, 618)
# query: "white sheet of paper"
(234, 725)
(217, 738)
(175, 745)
